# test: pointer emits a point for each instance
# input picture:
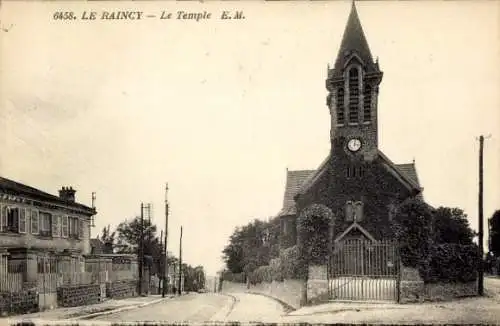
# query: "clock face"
(354, 145)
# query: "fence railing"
(11, 282)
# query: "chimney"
(67, 193)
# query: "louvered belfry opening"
(353, 95)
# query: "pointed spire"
(353, 41)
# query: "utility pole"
(161, 246)
(141, 249)
(180, 264)
(480, 217)
(165, 266)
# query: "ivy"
(314, 235)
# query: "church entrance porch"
(361, 269)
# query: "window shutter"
(80, 229)
(359, 211)
(3, 219)
(35, 225)
(64, 226)
(349, 211)
(22, 220)
(55, 225)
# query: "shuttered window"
(22, 220)
(64, 226)
(35, 227)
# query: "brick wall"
(78, 295)
(18, 302)
(121, 289)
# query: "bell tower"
(352, 86)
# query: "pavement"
(94, 310)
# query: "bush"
(276, 274)
(412, 227)
(314, 226)
(262, 274)
(451, 262)
(289, 259)
(233, 277)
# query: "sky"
(220, 109)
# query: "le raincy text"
(178, 15)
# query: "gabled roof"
(298, 182)
(14, 188)
(353, 41)
(294, 180)
(356, 226)
(396, 171)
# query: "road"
(202, 308)
(244, 307)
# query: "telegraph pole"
(161, 246)
(480, 217)
(165, 266)
(141, 249)
(180, 264)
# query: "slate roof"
(299, 181)
(353, 40)
(14, 188)
(97, 245)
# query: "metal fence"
(364, 270)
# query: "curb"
(223, 313)
(117, 310)
(288, 308)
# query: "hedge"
(262, 274)
(452, 263)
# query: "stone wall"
(413, 288)
(289, 291)
(317, 284)
(449, 291)
(78, 295)
(121, 289)
(18, 302)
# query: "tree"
(452, 226)
(128, 235)
(252, 245)
(412, 227)
(494, 231)
(108, 239)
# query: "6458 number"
(64, 15)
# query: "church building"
(357, 182)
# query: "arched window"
(367, 103)
(354, 211)
(340, 106)
(353, 95)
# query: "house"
(35, 225)
(96, 246)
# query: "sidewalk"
(107, 306)
(475, 310)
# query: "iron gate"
(364, 270)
